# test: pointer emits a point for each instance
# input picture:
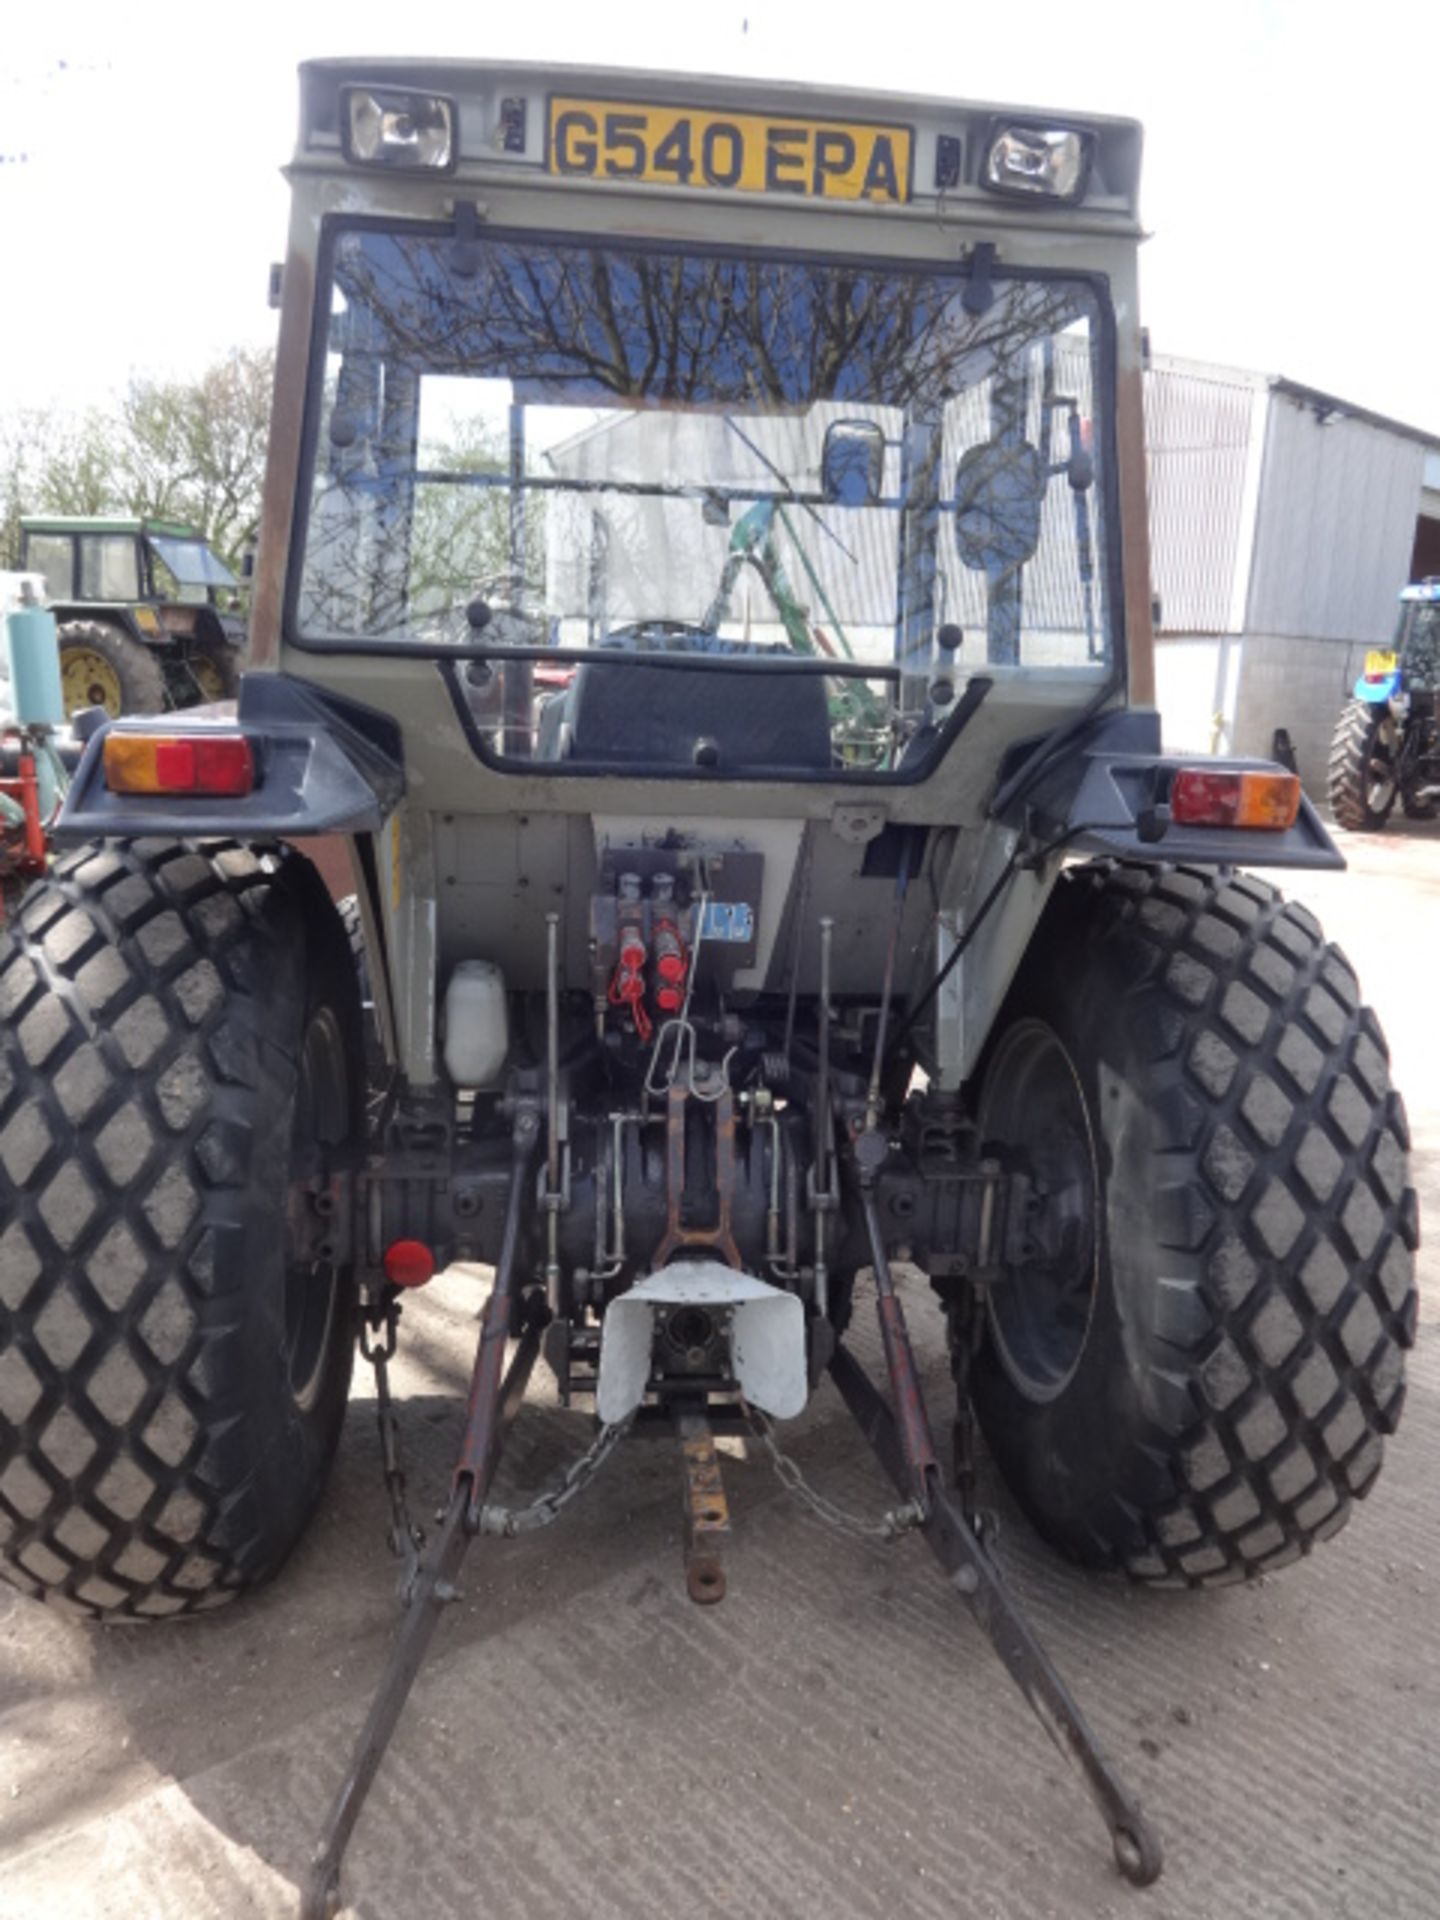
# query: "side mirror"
(852, 463)
(999, 490)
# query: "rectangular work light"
(219, 763)
(1047, 163)
(404, 132)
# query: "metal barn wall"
(1204, 434)
(1336, 525)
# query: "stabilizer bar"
(493, 1402)
(976, 1578)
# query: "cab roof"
(503, 112)
(91, 523)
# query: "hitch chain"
(404, 1538)
(548, 1506)
(890, 1526)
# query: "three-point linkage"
(898, 1428)
(495, 1394)
(900, 1435)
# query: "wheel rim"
(88, 679)
(1379, 776)
(1034, 1110)
(207, 676)
(313, 1288)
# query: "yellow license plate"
(750, 152)
(1378, 663)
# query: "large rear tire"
(1363, 786)
(213, 670)
(103, 666)
(1191, 1375)
(179, 1041)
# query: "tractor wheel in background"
(214, 668)
(1363, 787)
(102, 666)
(1190, 1372)
(179, 1043)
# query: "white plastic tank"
(477, 1024)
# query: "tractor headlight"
(1050, 163)
(411, 132)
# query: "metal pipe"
(479, 1442)
(616, 1259)
(792, 1212)
(780, 1260)
(801, 908)
(902, 884)
(602, 1208)
(823, 1129)
(552, 1114)
(772, 1212)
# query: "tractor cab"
(148, 612)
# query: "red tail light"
(221, 763)
(1200, 798)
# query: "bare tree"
(55, 463)
(187, 450)
(194, 450)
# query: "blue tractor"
(1385, 747)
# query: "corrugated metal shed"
(1335, 523)
(1204, 430)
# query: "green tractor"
(145, 611)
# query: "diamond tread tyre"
(1249, 1278)
(128, 676)
(1351, 751)
(178, 1029)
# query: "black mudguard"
(1107, 790)
(325, 765)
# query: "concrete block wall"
(1298, 684)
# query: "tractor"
(703, 591)
(146, 610)
(1386, 745)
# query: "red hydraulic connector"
(672, 962)
(632, 946)
(627, 988)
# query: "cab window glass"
(52, 554)
(109, 567)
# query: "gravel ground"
(834, 1739)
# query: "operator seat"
(664, 716)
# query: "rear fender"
(1376, 692)
(322, 765)
(107, 613)
(1108, 793)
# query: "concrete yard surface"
(835, 1739)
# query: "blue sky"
(1292, 158)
